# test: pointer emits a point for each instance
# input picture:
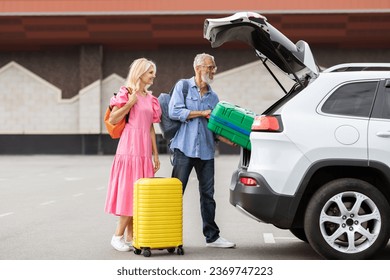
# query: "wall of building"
(58, 98)
(54, 102)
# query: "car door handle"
(385, 134)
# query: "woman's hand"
(156, 163)
(132, 99)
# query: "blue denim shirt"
(194, 139)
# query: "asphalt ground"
(52, 208)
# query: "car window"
(386, 105)
(382, 102)
(353, 99)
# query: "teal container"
(232, 122)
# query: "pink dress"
(133, 158)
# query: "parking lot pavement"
(52, 209)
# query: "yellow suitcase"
(158, 215)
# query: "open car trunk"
(296, 60)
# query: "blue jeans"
(182, 167)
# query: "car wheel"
(347, 219)
(299, 233)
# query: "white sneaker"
(221, 243)
(118, 242)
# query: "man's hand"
(226, 141)
(206, 113)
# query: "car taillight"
(247, 181)
(267, 123)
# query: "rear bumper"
(260, 202)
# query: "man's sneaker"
(221, 243)
(118, 242)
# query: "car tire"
(347, 219)
(299, 233)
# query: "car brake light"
(248, 181)
(267, 123)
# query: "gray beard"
(206, 79)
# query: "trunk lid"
(296, 60)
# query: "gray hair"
(200, 58)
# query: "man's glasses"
(210, 67)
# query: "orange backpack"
(115, 130)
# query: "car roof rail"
(346, 67)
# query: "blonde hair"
(137, 69)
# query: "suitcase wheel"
(171, 250)
(137, 251)
(180, 251)
(147, 253)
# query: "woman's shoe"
(118, 242)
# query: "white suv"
(320, 158)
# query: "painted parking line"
(6, 214)
(268, 238)
(287, 238)
(47, 202)
(78, 194)
(73, 178)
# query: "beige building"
(60, 62)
